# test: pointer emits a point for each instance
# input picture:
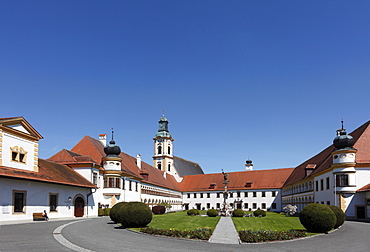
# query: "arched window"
(159, 166)
(159, 149)
(169, 150)
(169, 167)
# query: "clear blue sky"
(265, 80)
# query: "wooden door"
(79, 207)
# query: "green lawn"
(182, 221)
(272, 221)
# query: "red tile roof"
(364, 189)
(93, 148)
(68, 157)
(324, 159)
(48, 172)
(258, 179)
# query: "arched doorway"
(79, 207)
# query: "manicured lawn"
(181, 221)
(272, 221)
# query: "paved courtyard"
(98, 234)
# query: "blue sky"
(265, 80)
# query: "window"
(188, 195)
(218, 205)
(169, 150)
(208, 205)
(254, 205)
(273, 206)
(327, 183)
(231, 195)
(112, 182)
(130, 185)
(317, 185)
(341, 180)
(19, 201)
(254, 194)
(328, 202)
(159, 166)
(273, 193)
(195, 195)
(246, 205)
(321, 184)
(123, 184)
(169, 167)
(201, 195)
(322, 202)
(263, 205)
(238, 194)
(263, 194)
(159, 149)
(246, 194)
(95, 178)
(136, 186)
(208, 195)
(218, 195)
(18, 154)
(53, 202)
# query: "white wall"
(37, 199)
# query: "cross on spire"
(112, 133)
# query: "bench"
(38, 216)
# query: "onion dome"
(248, 162)
(163, 128)
(112, 150)
(343, 141)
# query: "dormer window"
(248, 184)
(212, 186)
(18, 154)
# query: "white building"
(31, 185)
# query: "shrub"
(134, 214)
(199, 233)
(166, 205)
(212, 212)
(341, 216)
(317, 218)
(268, 235)
(100, 211)
(259, 212)
(193, 212)
(159, 209)
(238, 213)
(114, 211)
(107, 211)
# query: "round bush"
(317, 218)
(193, 212)
(159, 209)
(238, 213)
(212, 212)
(134, 214)
(341, 216)
(114, 211)
(259, 212)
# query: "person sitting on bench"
(45, 215)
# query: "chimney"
(165, 175)
(138, 161)
(103, 139)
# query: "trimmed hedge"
(100, 212)
(114, 211)
(250, 236)
(159, 209)
(193, 212)
(259, 212)
(341, 216)
(107, 211)
(212, 212)
(134, 214)
(317, 218)
(199, 233)
(238, 213)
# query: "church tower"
(163, 148)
